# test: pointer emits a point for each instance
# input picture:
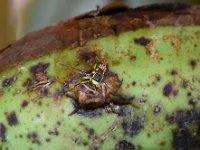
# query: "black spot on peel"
(54, 132)
(189, 94)
(173, 72)
(12, 119)
(24, 104)
(183, 118)
(158, 78)
(33, 137)
(9, 81)
(2, 132)
(193, 64)
(48, 140)
(133, 83)
(167, 90)
(184, 84)
(124, 145)
(142, 41)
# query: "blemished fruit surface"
(159, 66)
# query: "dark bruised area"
(142, 41)
(90, 113)
(9, 81)
(124, 145)
(185, 136)
(184, 140)
(77, 32)
(33, 137)
(184, 117)
(2, 132)
(133, 127)
(12, 118)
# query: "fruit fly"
(94, 88)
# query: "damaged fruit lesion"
(40, 80)
(94, 88)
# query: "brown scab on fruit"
(12, 119)
(95, 88)
(40, 81)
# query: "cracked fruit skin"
(159, 66)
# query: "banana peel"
(154, 50)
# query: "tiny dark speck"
(48, 140)
(12, 119)
(24, 104)
(184, 84)
(133, 83)
(173, 72)
(167, 89)
(193, 63)
(142, 41)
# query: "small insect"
(95, 88)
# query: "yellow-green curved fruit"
(160, 67)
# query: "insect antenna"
(73, 69)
